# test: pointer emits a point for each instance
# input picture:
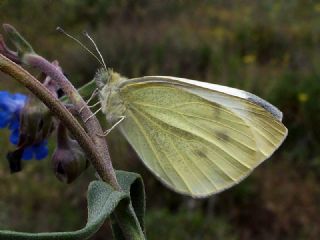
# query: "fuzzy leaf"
(102, 201)
(132, 184)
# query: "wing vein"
(222, 149)
(150, 145)
(198, 104)
(153, 150)
(195, 165)
(168, 132)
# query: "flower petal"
(4, 119)
(27, 153)
(14, 137)
(41, 150)
(19, 100)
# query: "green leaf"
(85, 91)
(102, 201)
(131, 214)
(132, 184)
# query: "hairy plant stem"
(56, 107)
(91, 122)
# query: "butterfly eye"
(102, 78)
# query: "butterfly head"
(106, 76)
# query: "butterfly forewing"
(269, 131)
(196, 143)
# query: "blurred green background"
(270, 48)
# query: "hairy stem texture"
(92, 124)
(58, 109)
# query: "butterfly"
(197, 138)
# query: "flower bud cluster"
(69, 161)
(11, 108)
(31, 122)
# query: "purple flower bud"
(69, 161)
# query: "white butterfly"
(197, 138)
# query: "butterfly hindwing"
(195, 143)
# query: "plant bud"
(69, 161)
(6, 51)
(36, 122)
(23, 47)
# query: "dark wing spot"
(222, 136)
(200, 153)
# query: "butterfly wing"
(198, 139)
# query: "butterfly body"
(111, 103)
(197, 138)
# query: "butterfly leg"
(94, 93)
(93, 114)
(96, 104)
(114, 125)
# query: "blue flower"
(37, 151)
(10, 109)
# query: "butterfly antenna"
(96, 47)
(59, 29)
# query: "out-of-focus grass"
(270, 48)
(188, 225)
